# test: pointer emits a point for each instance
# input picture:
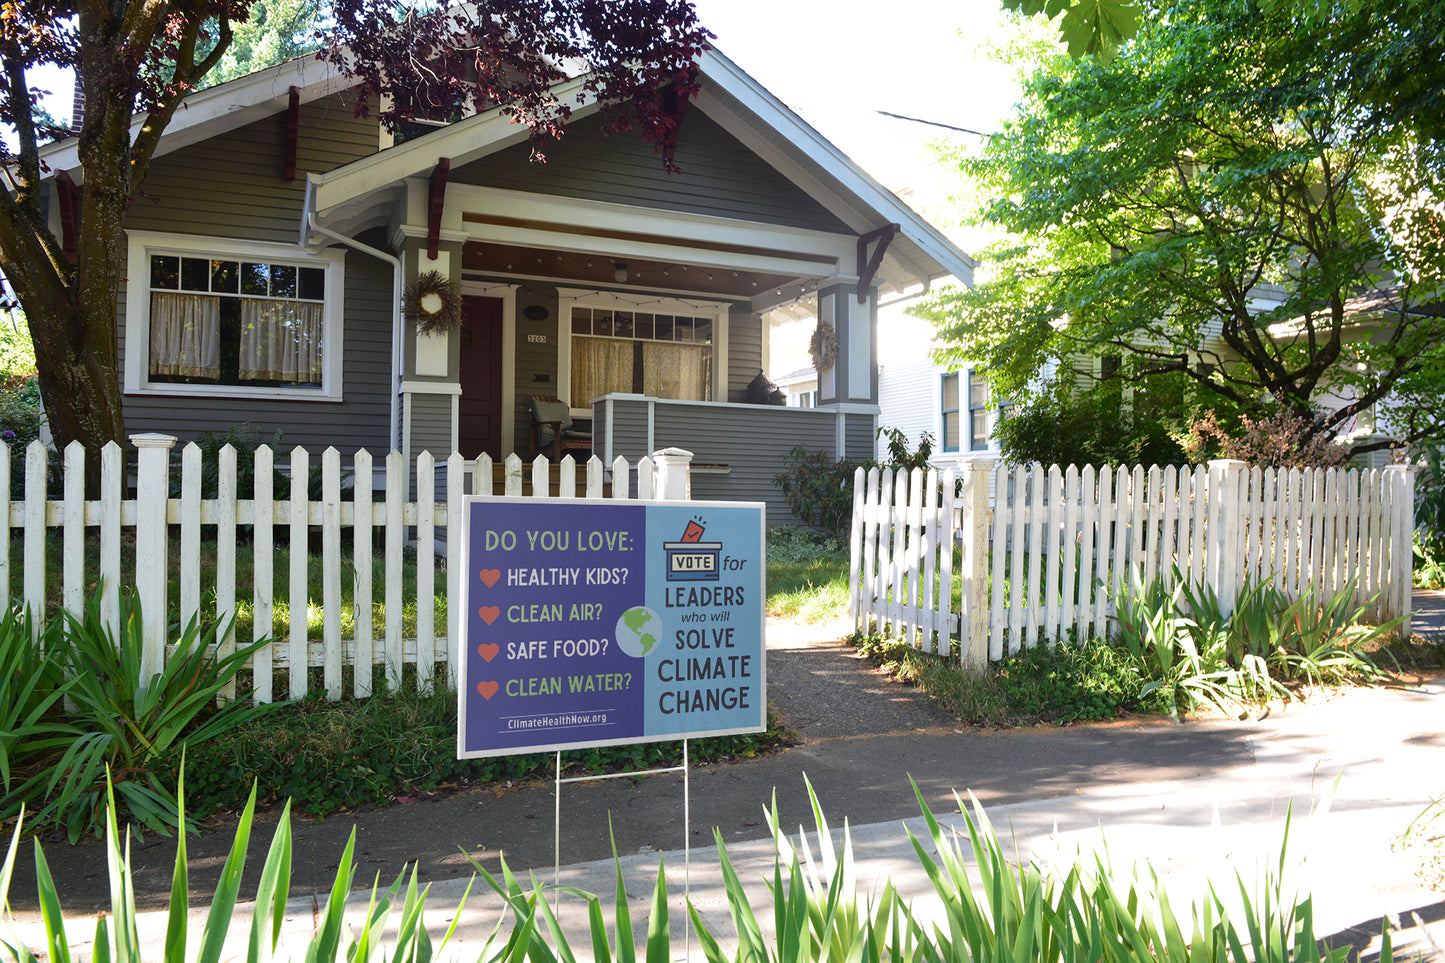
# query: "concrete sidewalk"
(1194, 822)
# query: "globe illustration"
(638, 631)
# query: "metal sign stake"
(685, 769)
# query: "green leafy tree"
(276, 31)
(1227, 152)
(1062, 425)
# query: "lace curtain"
(599, 366)
(682, 371)
(185, 335)
(280, 341)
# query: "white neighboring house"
(915, 394)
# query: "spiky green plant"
(118, 724)
(117, 938)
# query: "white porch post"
(674, 474)
(850, 386)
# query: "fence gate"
(939, 561)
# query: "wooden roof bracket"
(436, 201)
(674, 103)
(868, 265)
(293, 132)
(68, 198)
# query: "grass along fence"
(934, 560)
(380, 597)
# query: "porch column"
(850, 386)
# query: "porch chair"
(553, 431)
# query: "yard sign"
(592, 622)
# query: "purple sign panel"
(594, 622)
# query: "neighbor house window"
(980, 420)
(950, 411)
(803, 399)
(232, 321)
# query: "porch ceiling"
(573, 267)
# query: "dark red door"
(479, 417)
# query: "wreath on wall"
(824, 346)
(433, 302)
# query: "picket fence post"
(1401, 537)
(674, 474)
(1222, 565)
(152, 549)
(974, 614)
(855, 548)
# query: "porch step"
(499, 477)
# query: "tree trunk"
(79, 381)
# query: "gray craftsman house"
(279, 230)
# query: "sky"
(837, 65)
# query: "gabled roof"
(215, 110)
(918, 255)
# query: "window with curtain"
(235, 322)
(658, 355)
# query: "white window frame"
(144, 244)
(569, 298)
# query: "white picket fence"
(1045, 556)
(382, 515)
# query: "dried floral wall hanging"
(433, 302)
(824, 346)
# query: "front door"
(479, 416)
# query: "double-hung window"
(949, 410)
(974, 419)
(980, 417)
(206, 316)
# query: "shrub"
(1284, 439)
(20, 413)
(1430, 523)
(1071, 682)
(326, 756)
(1062, 426)
(1193, 654)
(118, 725)
(819, 488)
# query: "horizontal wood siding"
(235, 185)
(906, 393)
(536, 362)
(431, 425)
(858, 436)
(745, 351)
(359, 420)
(750, 441)
(628, 430)
(719, 175)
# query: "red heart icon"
(487, 689)
(488, 650)
(489, 613)
(490, 576)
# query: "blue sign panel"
(594, 622)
